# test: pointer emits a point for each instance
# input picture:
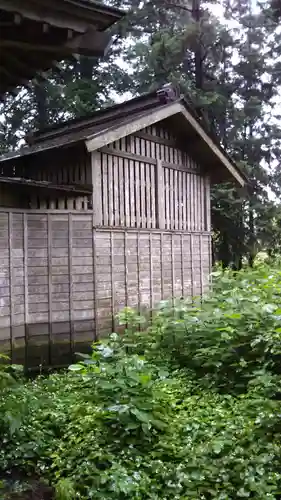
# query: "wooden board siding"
(9, 197)
(62, 282)
(46, 284)
(149, 182)
(62, 167)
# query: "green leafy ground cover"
(189, 409)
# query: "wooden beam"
(33, 47)
(219, 154)
(114, 133)
(92, 42)
(17, 19)
(46, 28)
(45, 14)
(27, 69)
(140, 122)
(147, 159)
(31, 183)
(96, 181)
(13, 78)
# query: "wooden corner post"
(97, 189)
(160, 195)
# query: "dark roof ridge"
(165, 94)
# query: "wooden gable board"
(106, 136)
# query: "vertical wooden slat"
(207, 204)
(166, 153)
(116, 191)
(137, 193)
(148, 185)
(71, 203)
(172, 203)
(128, 207)
(96, 181)
(192, 206)
(184, 201)
(200, 210)
(11, 281)
(176, 200)
(123, 145)
(142, 147)
(132, 205)
(180, 186)
(70, 271)
(167, 197)
(162, 152)
(63, 177)
(160, 195)
(122, 194)
(149, 153)
(112, 281)
(196, 203)
(188, 202)
(82, 181)
(104, 190)
(50, 308)
(95, 281)
(153, 191)
(78, 203)
(25, 277)
(137, 146)
(110, 191)
(143, 197)
(199, 198)
(194, 214)
(158, 152)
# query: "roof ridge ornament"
(168, 93)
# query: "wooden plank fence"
(63, 281)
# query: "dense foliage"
(187, 409)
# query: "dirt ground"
(37, 492)
(34, 490)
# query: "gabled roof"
(36, 34)
(111, 124)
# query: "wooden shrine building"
(103, 212)
(36, 34)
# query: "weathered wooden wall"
(62, 282)
(148, 180)
(62, 166)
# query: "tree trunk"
(41, 105)
(198, 62)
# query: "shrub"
(187, 410)
(226, 341)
